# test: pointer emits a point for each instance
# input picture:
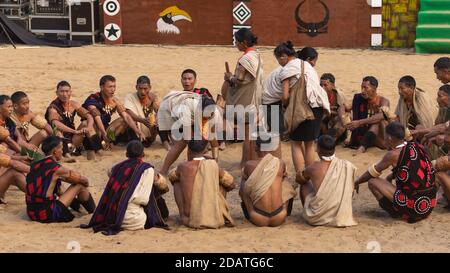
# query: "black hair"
(445, 88)
(372, 80)
(442, 63)
(4, 98)
(50, 143)
(190, 71)
(106, 78)
(408, 81)
(17, 96)
(307, 54)
(135, 149)
(285, 48)
(328, 77)
(245, 35)
(396, 130)
(62, 84)
(326, 145)
(207, 101)
(197, 146)
(143, 80)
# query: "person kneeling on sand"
(327, 187)
(132, 199)
(267, 196)
(414, 196)
(200, 187)
(45, 198)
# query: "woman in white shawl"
(306, 103)
(244, 87)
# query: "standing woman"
(305, 103)
(245, 86)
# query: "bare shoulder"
(384, 101)
(75, 104)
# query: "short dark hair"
(197, 146)
(143, 80)
(62, 84)
(245, 35)
(372, 80)
(285, 48)
(4, 98)
(307, 53)
(328, 77)
(107, 78)
(135, 149)
(396, 130)
(50, 143)
(326, 145)
(442, 63)
(445, 88)
(17, 96)
(408, 81)
(190, 71)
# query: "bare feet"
(360, 150)
(166, 145)
(90, 155)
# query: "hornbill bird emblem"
(168, 17)
(312, 29)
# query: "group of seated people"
(416, 136)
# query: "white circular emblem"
(112, 32)
(111, 7)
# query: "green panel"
(435, 5)
(433, 46)
(433, 31)
(434, 17)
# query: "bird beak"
(177, 14)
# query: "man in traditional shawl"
(369, 111)
(45, 198)
(13, 169)
(61, 114)
(327, 187)
(184, 113)
(132, 199)
(200, 187)
(434, 136)
(244, 88)
(9, 133)
(414, 196)
(415, 109)
(102, 105)
(442, 69)
(142, 107)
(334, 123)
(267, 196)
(23, 117)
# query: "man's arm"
(303, 177)
(98, 121)
(174, 176)
(72, 177)
(371, 120)
(54, 119)
(84, 114)
(40, 123)
(128, 120)
(376, 169)
(139, 119)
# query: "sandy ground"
(37, 70)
